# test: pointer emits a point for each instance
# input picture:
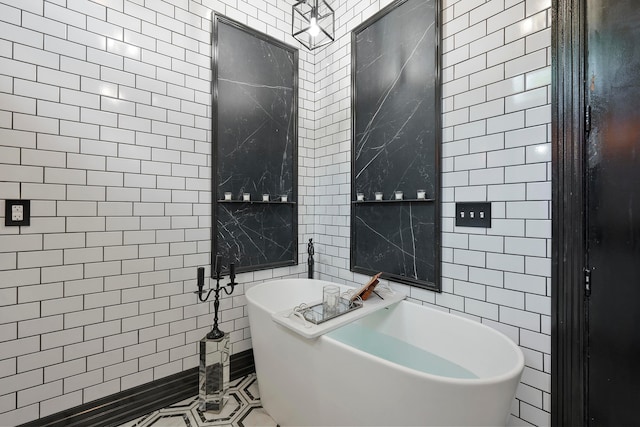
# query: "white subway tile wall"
(105, 112)
(495, 146)
(105, 124)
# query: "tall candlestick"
(218, 264)
(200, 277)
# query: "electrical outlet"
(473, 214)
(17, 213)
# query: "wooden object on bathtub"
(367, 288)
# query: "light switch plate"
(17, 213)
(473, 214)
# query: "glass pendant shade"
(313, 23)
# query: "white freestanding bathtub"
(345, 377)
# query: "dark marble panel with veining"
(395, 102)
(255, 234)
(396, 238)
(255, 147)
(396, 134)
(255, 115)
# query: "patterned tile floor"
(243, 409)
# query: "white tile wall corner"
(105, 112)
(496, 147)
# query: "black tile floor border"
(243, 409)
(120, 407)
(130, 404)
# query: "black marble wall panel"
(395, 103)
(397, 239)
(396, 136)
(255, 137)
(256, 112)
(255, 234)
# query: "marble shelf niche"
(395, 201)
(277, 202)
(254, 147)
(396, 143)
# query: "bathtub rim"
(513, 373)
(248, 292)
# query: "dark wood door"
(613, 212)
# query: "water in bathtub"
(398, 351)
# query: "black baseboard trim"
(242, 364)
(130, 404)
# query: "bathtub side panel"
(361, 388)
(284, 363)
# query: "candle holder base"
(214, 373)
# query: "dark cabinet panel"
(613, 211)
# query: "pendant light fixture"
(313, 23)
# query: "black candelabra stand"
(215, 332)
(310, 252)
